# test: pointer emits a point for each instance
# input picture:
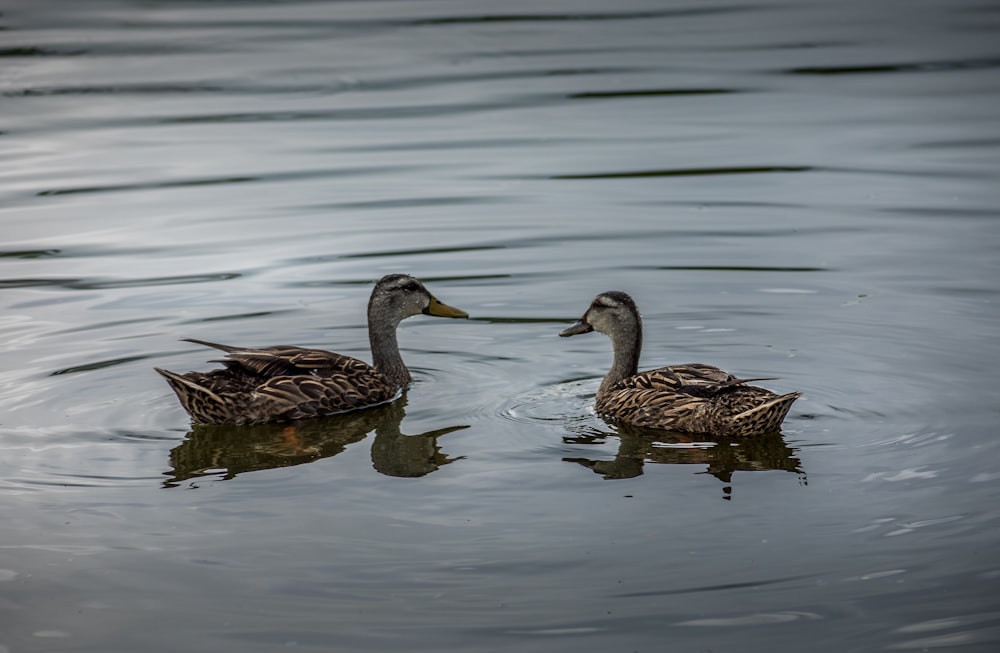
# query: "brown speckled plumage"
(693, 398)
(280, 383)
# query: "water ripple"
(910, 67)
(30, 253)
(413, 202)
(157, 148)
(458, 144)
(426, 81)
(560, 404)
(755, 619)
(215, 181)
(104, 284)
(424, 277)
(186, 88)
(569, 17)
(102, 364)
(424, 251)
(688, 172)
(82, 251)
(718, 588)
(741, 268)
(977, 628)
(653, 92)
(381, 112)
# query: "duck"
(690, 398)
(285, 383)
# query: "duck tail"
(193, 397)
(767, 417)
(214, 345)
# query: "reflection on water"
(723, 457)
(226, 451)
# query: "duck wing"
(657, 407)
(304, 397)
(695, 378)
(741, 411)
(278, 383)
(663, 378)
(286, 360)
(701, 374)
(695, 398)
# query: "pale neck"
(385, 351)
(628, 345)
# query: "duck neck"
(385, 351)
(628, 345)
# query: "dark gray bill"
(576, 329)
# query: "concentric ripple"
(570, 404)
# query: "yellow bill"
(441, 309)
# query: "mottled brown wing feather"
(695, 398)
(286, 360)
(697, 378)
(653, 407)
(302, 397)
(658, 379)
(701, 374)
(674, 377)
(279, 383)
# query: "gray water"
(801, 190)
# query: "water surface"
(806, 191)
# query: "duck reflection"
(722, 456)
(226, 451)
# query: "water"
(800, 190)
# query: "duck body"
(281, 383)
(691, 398)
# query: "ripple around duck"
(619, 451)
(37, 459)
(38, 438)
(80, 480)
(569, 403)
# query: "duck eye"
(411, 286)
